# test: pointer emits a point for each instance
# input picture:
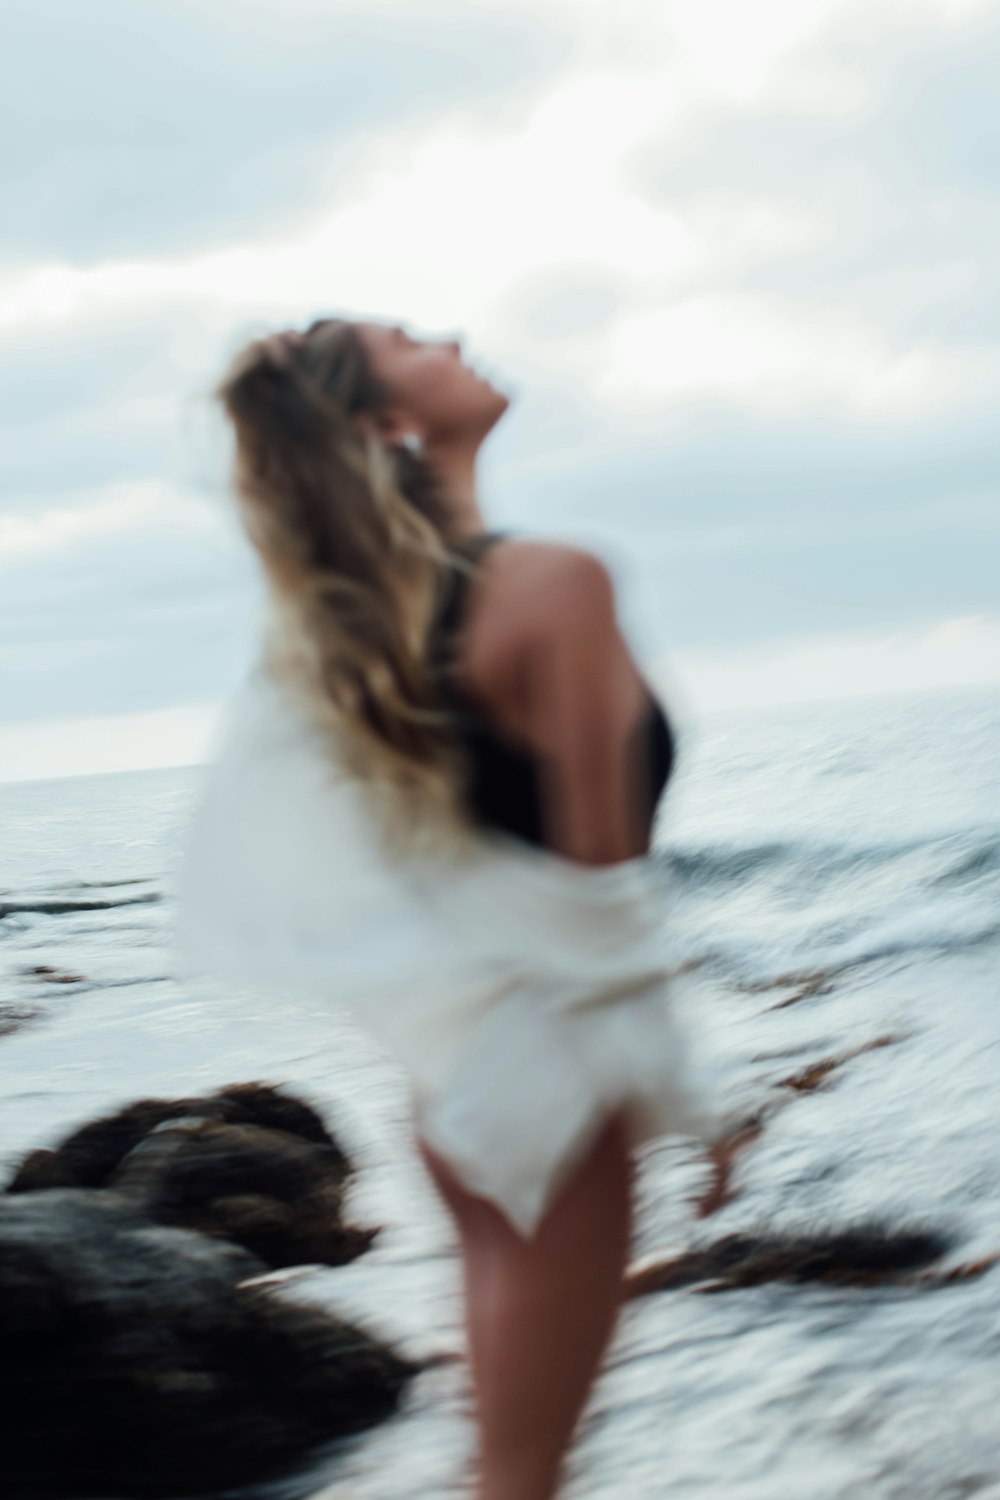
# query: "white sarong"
(525, 995)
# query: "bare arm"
(554, 670)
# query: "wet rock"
(272, 1192)
(13, 1017)
(50, 975)
(968, 1270)
(89, 1155)
(249, 1164)
(816, 1074)
(62, 907)
(137, 1363)
(867, 1255)
(804, 984)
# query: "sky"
(734, 264)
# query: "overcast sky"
(735, 263)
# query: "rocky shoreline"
(144, 1355)
(153, 1352)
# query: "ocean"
(836, 883)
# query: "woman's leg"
(540, 1312)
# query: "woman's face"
(437, 396)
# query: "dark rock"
(247, 1163)
(864, 1256)
(13, 1017)
(63, 907)
(279, 1196)
(263, 1104)
(54, 976)
(807, 1080)
(89, 1156)
(137, 1364)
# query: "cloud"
(759, 353)
(177, 736)
(899, 169)
(735, 264)
(133, 598)
(132, 131)
(963, 652)
(105, 517)
(734, 286)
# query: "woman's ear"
(391, 428)
(396, 430)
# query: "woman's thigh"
(588, 1204)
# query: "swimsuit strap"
(474, 549)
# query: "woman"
(504, 756)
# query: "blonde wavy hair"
(350, 533)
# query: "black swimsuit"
(505, 790)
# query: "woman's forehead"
(380, 335)
(384, 327)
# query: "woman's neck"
(456, 471)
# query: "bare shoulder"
(531, 596)
(550, 665)
(530, 590)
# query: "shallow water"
(863, 839)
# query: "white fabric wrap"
(526, 995)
